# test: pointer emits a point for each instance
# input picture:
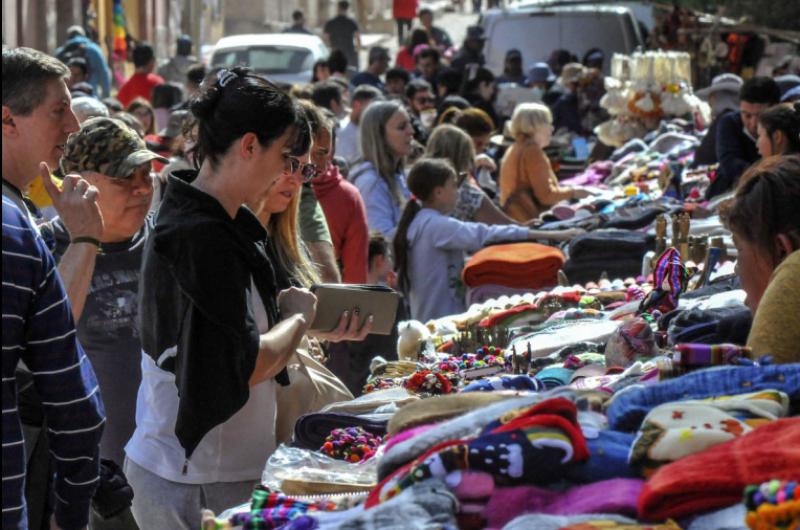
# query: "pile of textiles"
(519, 265)
(612, 251)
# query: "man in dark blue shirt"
(737, 133)
(38, 329)
(378, 64)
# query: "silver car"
(280, 57)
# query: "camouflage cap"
(107, 146)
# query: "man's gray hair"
(87, 107)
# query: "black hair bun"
(204, 104)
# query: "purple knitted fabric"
(615, 496)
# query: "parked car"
(538, 29)
(280, 57)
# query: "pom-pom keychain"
(353, 444)
(427, 382)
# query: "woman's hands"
(347, 329)
(294, 301)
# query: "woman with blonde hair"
(386, 140)
(528, 185)
(454, 145)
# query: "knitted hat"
(715, 478)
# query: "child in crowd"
(380, 262)
(430, 245)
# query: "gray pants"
(162, 504)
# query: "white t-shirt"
(234, 451)
(348, 142)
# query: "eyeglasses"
(307, 171)
(425, 100)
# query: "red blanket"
(523, 265)
(715, 478)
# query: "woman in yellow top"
(528, 185)
(765, 222)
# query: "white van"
(537, 30)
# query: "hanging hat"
(730, 83)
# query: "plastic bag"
(302, 464)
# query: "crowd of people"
(159, 242)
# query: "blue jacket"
(99, 72)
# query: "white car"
(280, 57)
(538, 28)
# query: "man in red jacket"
(344, 209)
(143, 80)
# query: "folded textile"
(311, 430)
(635, 217)
(370, 402)
(440, 408)
(695, 355)
(628, 408)
(716, 477)
(581, 522)
(528, 446)
(674, 430)
(617, 496)
(457, 427)
(610, 244)
(608, 458)
(425, 506)
(731, 518)
(528, 265)
(720, 325)
(554, 376)
(270, 510)
(505, 382)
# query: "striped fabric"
(38, 329)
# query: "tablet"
(334, 298)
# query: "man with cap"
(112, 158)
(79, 45)
(722, 96)
(378, 64)
(174, 70)
(512, 72)
(737, 133)
(472, 50)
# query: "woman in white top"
(216, 330)
(386, 139)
